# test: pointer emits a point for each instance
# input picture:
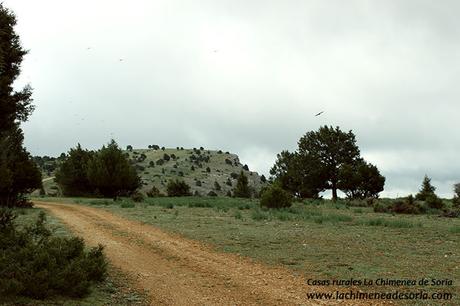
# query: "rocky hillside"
(205, 171)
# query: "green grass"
(317, 238)
(114, 290)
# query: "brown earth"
(174, 270)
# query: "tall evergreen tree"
(72, 174)
(242, 189)
(110, 172)
(18, 173)
(426, 191)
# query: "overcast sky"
(248, 77)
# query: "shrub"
(137, 196)
(407, 206)
(217, 186)
(208, 169)
(160, 162)
(228, 182)
(263, 179)
(275, 197)
(234, 175)
(229, 193)
(198, 183)
(152, 164)
(228, 162)
(433, 201)
(245, 167)
(166, 157)
(36, 264)
(380, 207)
(154, 192)
(127, 204)
(177, 188)
(212, 194)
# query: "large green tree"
(72, 175)
(361, 180)
(110, 172)
(325, 151)
(18, 174)
(326, 159)
(297, 175)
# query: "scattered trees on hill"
(19, 175)
(107, 172)
(242, 189)
(177, 188)
(327, 159)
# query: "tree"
(177, 188)
(426, 190)
(72, 175)
(297, 174)
(242, 188)
(360, 180)
(326, 151)
(110, 172)
(326, 159)
(456, 199)
(18, 173)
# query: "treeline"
(106, 172)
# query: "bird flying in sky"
(319, 113)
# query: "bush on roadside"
(36, 264)
(275, 197)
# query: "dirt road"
(178, 271)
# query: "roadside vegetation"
(317, 238)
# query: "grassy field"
(115, 290)
(319, 239)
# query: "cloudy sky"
(248, 77)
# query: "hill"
(199, 168)
(203, 170)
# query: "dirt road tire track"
(178, 271)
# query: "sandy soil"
(178, 271)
